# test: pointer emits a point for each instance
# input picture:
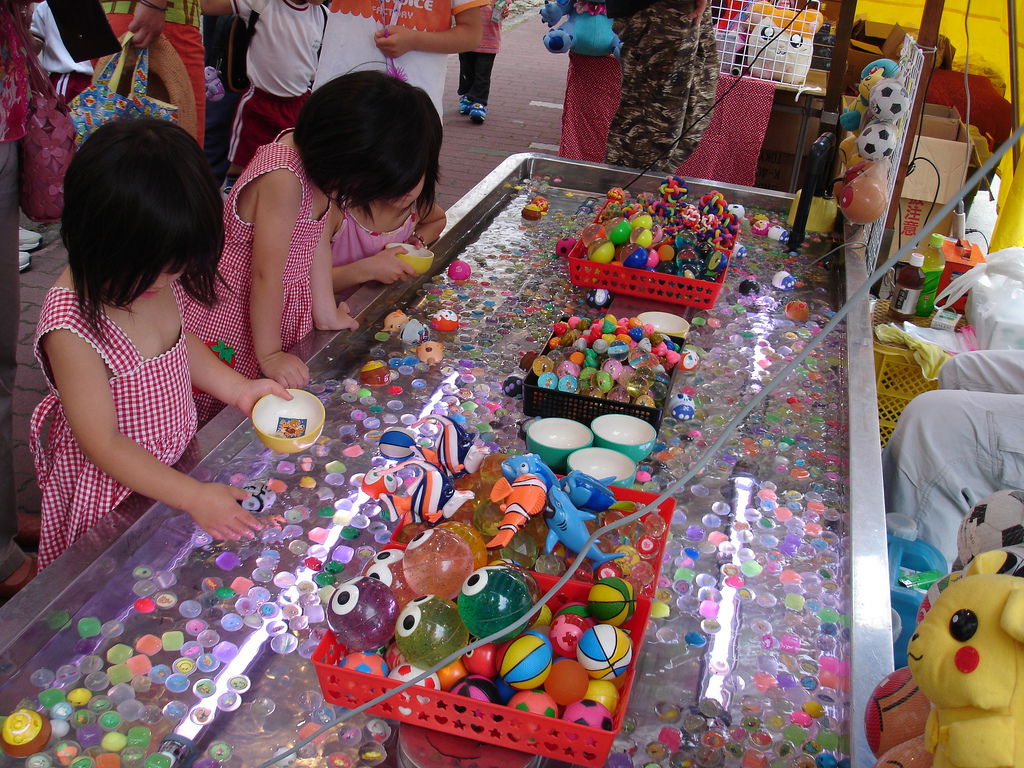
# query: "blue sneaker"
(464, 105)
(478, 113)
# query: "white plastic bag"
(995, 306)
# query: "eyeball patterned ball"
(386, 567)
(888, 100)
(995, 522)
(436, 562)
(428, 629)
(877, 141)
(605, 651)
(362, 613)
(589, 712)
(491, 598)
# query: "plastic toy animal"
(525, 498)
(566, 524)
(429, 498)
(588, 492)
(967, 657)
(786, 56)
(528, 464)
(454, 449)
(585, 30)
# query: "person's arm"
(226, 384)
(147, 22)
(432, 225)
(81, 378)
(384, 267)
(464, 36)
(216, 7)
(275, 211)
(327, 315)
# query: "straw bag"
(105, 100)
(46, 148)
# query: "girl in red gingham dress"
(142, 227)
(356, 141)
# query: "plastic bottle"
(909, 281)
(934, 265)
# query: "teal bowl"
(628, 435)
(554, 439)
(604, 462)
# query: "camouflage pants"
(669, 75)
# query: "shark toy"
(588, 492)
(566, 523)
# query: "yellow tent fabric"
(989, 55)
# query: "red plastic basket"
(656, 286)
(479, 720)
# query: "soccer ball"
(877, 141)
(995, 522)
(888, 100)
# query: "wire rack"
(744, 27)
(911, 64)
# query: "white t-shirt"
(349, 45)
(283, 51)
(54, 57)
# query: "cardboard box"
(940, 167)
(778, 153)
(870, 40)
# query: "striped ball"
(605, 651)
(397, 443)
(611, 601)
(526, 661)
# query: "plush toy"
(869, 77)
(731, 35)
(967, 657)
(787, 55)
(586, 29)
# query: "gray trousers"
(11, 556)
(958, 444)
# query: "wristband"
(422, 242)
(154, 6)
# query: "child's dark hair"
(368, 136)
(140, 200)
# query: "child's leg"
(466, 71)
(480, 89)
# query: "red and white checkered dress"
(226, 324)
(154, 406)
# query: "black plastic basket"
(538, 401)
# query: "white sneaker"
(24, 260)
(28, 240)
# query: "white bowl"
(289, 425)
(625, 434)
(665, 322)
(600, 463)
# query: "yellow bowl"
(289, 426)
(419, 260)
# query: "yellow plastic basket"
(898, 380)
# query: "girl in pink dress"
(352, 144)
(142, 228)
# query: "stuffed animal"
(787, 55)
(967, 657)
(586, 29)
(731, 35)
(877, 70)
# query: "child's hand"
(287, 370)
(394, 41)
(386, 267)
(252, 390)
(216, 509)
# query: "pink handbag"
(46, 149)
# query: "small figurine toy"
(444, 320)
(682, 407)
(566, 524)
(588, 492)
(428, 498)
(525, 498)
(430, 352)
(414, 332)
(454, 447)
(395, 320)
(375, 373)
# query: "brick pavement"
(525, 79)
